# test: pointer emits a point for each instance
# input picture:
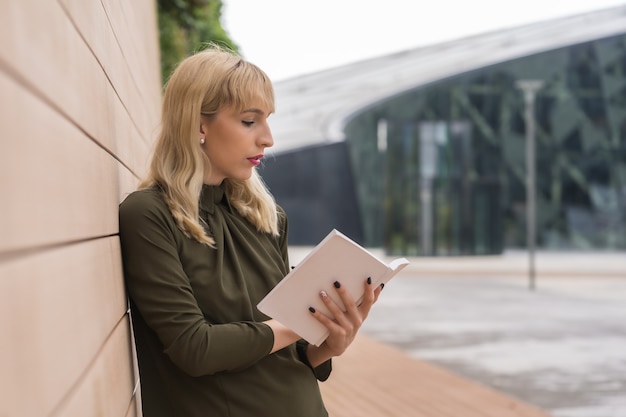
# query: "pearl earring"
(201, 141)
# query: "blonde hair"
(202, 84)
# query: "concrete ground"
(561, 346)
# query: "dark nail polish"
(369, 280)
(382, 285)
(311, 309)
(336, 284)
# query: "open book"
(335, 258)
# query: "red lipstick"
(256, 160)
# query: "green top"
(201, 346)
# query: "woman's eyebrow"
(253, 110)
(257, 111)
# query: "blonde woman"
(202, 242)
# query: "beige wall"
(79, 103)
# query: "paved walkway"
(560, 347)
(376, 380)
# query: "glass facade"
(441, 169)
(314, 186)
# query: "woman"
(202, 242)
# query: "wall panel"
(80, 95)
(62, 69)
(129, 20)
(57, 309)
(92, 20)
(106, 390)
(57, 185)
(134, 410)
(55, 62)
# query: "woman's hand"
(345, 325)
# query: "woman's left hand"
(345, 325)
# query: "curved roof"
(313, 109)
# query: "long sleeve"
(161, 289)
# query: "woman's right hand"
(345, 325)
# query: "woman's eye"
(247, 123)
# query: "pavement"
(559, 344)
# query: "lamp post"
(530, 87)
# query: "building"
(422, 152)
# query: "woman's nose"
(266, 139)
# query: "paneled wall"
(80, 97)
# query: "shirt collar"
(212, 195)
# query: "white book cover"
(335, 258)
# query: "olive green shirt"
(201, 346)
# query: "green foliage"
(187, 26)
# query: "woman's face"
(235, 142)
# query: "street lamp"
(530, 87)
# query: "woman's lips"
(255, 160)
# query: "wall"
(79, 104)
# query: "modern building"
(423, 152)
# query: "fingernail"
(323, 294)
(369, 280)
(336, 284)
(382, 285)
(311, 309)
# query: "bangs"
(248, 85)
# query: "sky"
(287, 38)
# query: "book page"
(398, 264)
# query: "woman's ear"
(202, 134)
